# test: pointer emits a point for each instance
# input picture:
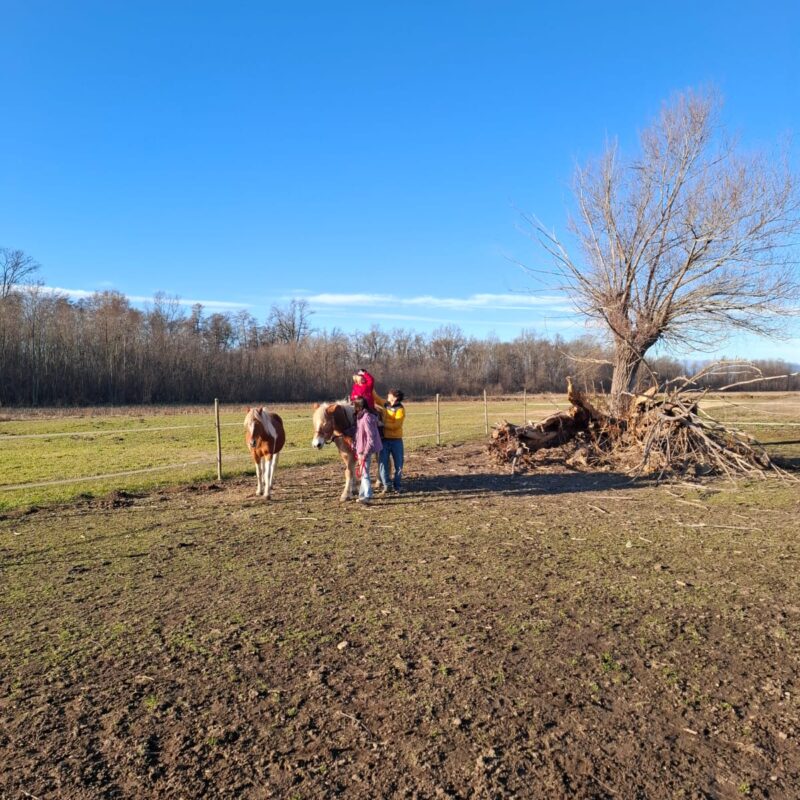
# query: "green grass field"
(49, 456)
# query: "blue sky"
(371, 157)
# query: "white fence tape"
(765, 424)
(477, 408)
(13, 437)
(10, 437)
(184, 465)
(63, 481)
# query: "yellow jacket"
(392, 417)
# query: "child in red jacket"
(363, 384)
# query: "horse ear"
(316, 406)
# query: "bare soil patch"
(554, 634)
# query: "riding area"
(553, 634)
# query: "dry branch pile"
(663, 432)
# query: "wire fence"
(221, 459)
(466, 419)
(211, 461)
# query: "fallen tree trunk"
(665, 434)
(515, 442)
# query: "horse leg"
(269, 473)
(348, 478)
(273, 465)
(259, 474)
(351, 476)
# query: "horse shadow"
(431, 488)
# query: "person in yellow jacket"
(393, 413)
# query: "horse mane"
(348, 412)
(263, 417)
(343, 414)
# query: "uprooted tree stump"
(663, 433)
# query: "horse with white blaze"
(335, 422)
(265, 437)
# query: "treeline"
(102, 350)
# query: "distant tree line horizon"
(101, 350)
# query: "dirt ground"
(549, 635)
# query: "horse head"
(323, 424)
(331, 421)
(253, 426)
(260, 427)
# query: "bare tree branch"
(16, 269)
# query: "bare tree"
(16, 268)
(375, 344)
(291, 324)
(689, 240)
(219, 332)
(447, 343)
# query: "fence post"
(524, 405)
(219, 439)
(485, 413)
(438, 422)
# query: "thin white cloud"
(384, 306)
(519, 302)
(326, 299)
(379, 317)
(135, 298)
(496, 302)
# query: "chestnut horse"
(265, 437)
(335, 422)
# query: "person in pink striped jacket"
(368, 441)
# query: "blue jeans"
(393, 448)
(365, 489)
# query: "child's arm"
(380, 405)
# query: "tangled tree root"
(663, 433)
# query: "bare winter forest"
(57, 351)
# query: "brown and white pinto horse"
(335, 422)
(265, 437)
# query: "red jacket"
(364, 390)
